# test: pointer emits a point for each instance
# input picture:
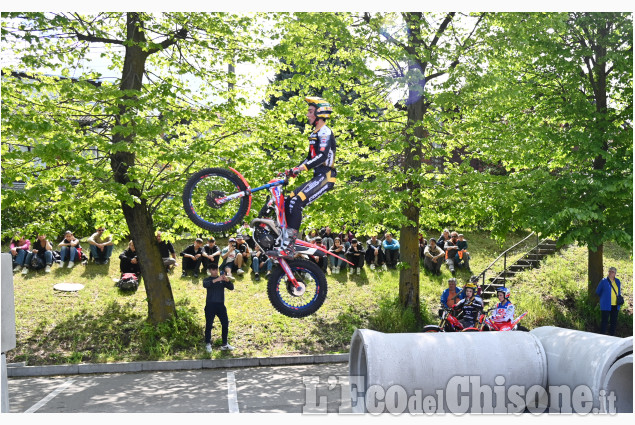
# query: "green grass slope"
(102, 324)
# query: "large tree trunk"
(596, 270)
(408, 238)
(158, 290)
(599, 85)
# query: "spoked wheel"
(300, 301)
(203, 191)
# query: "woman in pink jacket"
(19, 249)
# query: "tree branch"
(442, 28)
(95, 39)
(178, 35)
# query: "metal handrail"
(503, 254)
(508, 249)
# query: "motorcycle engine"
(265, 235)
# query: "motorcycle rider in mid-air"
(504, 310)
(469, 307)
(321, 158)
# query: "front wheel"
(201, 193)
(431, 329)
(522, 328)
(304, 300)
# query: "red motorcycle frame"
(485, 323)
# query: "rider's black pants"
(305, 194)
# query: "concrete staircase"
(530, 260)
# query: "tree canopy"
(498, 120)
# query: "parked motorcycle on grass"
(485, 323)
(448, 322)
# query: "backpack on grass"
(128, 282)
(37, 263)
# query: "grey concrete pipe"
(600, 362)
(447, 372)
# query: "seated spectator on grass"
(337, 249)
(69, 248)
(433, 257)
(310, 237)
(259, 260)
(374, 254)
(327, 237)
(451, 252)
(245, 254)
(19, 249)
(100, 246)
(423, 242)
(229, 255)
(445, 236)
(355, 254)
(346, 241)
(321, 261)
(211, 253)
(248, 234)
(43, 249)
(346, 236)
(192, 257)
(128, 261)
(391, 249)
(167, 250)
(462, 258)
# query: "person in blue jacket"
(391, 250)
(608, 290)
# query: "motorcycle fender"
(432, 328)
(319, 248)
(240, 176)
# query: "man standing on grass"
(215, 305)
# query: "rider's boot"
(287, 248)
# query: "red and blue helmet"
(506, 292)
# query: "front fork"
(288, 272)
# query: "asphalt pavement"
(316, 388)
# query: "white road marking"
(49, 397)
(232, 394)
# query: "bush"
(181, 333)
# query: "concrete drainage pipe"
(447, 372)
(599, 362)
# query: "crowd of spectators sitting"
(449, 248)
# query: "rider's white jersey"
(504, 312)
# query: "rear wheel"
(201, 192)
(522, 328)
